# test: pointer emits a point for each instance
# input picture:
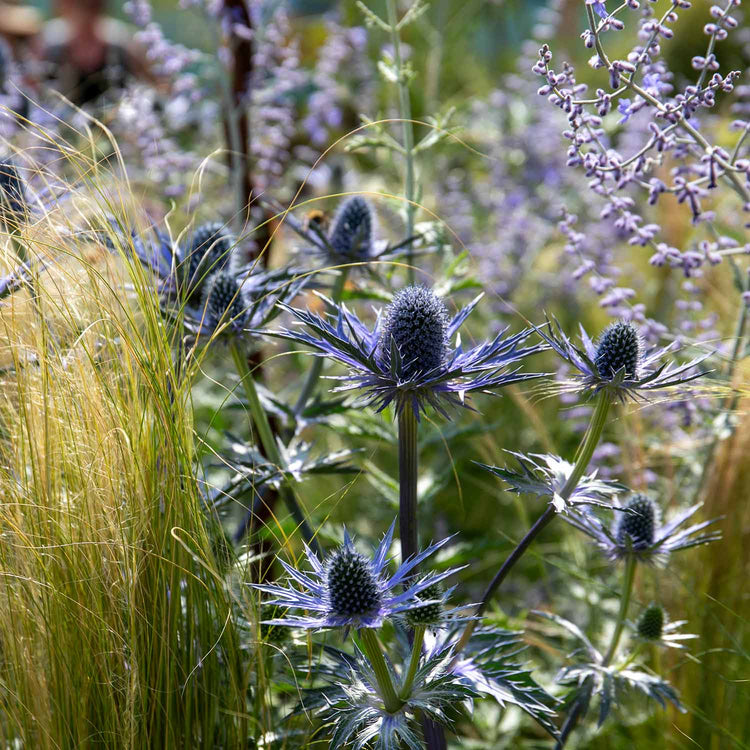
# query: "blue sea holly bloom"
(637, 531)
(619, 363)
(408, 359)
(352, 590)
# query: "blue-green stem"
(408, 129)
(582, 460)
(372, 649)
(416, 653)
(317, 366)
(407, 483)
(627, 590)
(270, 448)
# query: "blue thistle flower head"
(12, 193)
(638, 524)
(350, 589)
(619, 365)
(223, 300)
(352, 232)
(407, 358)
(416, 324)
(638, 532)
(209, 250)
(651, 623)
(619, 350)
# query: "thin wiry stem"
(317, 366)
(271, 449)
(583, 458)
(408, 129)
(416, 653)
(627, 590)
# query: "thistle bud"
(352, 584)
(651, 623)
(352, 231)
(619, 349)
(275, 634)
(417, 323)
(209, 251)
(639, 524)
(222, 297)
(427, 614)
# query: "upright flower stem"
(407, 483)
(627, 590)
(268, 442)
(416, 653)
(583, 458)
(577, 709)
(371, 647)
(408, 129)
(317, 367)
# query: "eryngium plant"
(407, 358)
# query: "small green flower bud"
(651, 623)
(427, 614)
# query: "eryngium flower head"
(209, 250)
(638, 532)
(350, 589)
(352, 232)
(12, 194)
(389, 366)
(431, 611)
(637, 526)
(619, 349)
(223, 299)
(651, 623)
(618, 365)
(352, 584)
(416, 324)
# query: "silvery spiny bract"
(546, 475)
(637, 531)
(618, 364)
(350, 589)
(411, 363)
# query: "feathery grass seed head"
(619, 349)
(639, 525)
(417, 323)
(651, 623)
(353, 586)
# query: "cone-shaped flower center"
(352, 585)
(352, 229)
(640, 524)
(222, 298)
(651, 623)
(427, 614)
(417, 323)
(619, 348)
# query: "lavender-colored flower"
(407, 358)
(350, 589)
(638, 533)
(617, 363)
